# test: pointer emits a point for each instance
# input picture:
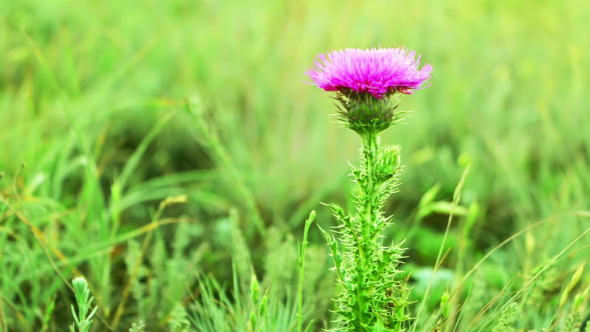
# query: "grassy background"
(115, 106)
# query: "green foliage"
(507, 316)
(83, 319)
(137, 327)
(93, 100)
(572, 324)
(179, 321)
(249, 310)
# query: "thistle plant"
(373, 297)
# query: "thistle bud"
(388, 163)
(364, 113)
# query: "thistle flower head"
(365, 79)
(380, 72)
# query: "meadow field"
(170, 152)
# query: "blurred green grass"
(83, 83)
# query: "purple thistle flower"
(380, 72)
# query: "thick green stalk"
(371, 297)
(362, 230)
(365, 218)
(368, 185)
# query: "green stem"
(368, 188)
(302, 249)
(368, 185)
